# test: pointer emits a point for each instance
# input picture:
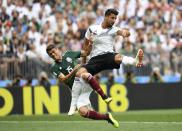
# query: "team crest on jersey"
(68, 59)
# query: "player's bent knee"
(83, 111)
(118, 58)
(80, 72)
(85, 76)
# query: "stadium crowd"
(28, 26)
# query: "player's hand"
(76, 67)
(125, 33)
(92, 36)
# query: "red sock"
(95, 86)
(96, 116)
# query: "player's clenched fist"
(123, 33)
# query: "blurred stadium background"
(28, 87)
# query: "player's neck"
(104, 25)
(59, 60)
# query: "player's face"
(55, 54)
(111, 20)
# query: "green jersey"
(66, 66)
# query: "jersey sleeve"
(55, 71)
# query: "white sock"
(128, 60)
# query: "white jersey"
(103, 41)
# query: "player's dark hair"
(50, 47)
(111, 11)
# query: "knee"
(85, 76)
(80, 72)
(83, 111)
(118, 58)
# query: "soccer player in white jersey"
(101, 37)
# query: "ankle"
(104, 97)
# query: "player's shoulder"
(70, 52)
(54, 66)
(94, 26)
(67, 53)
(116, 28)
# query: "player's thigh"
(111, 62)
(95, 64)
(83, 99)
(107, 61)
(76, 89)
(81, 71)
(93, 68)
(118, 58)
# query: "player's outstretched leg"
(76, 91)
(72, 110)
(73, 103)
(95, 86)
(97, 116)
(107, 99)
(127, 60)
(112, 120)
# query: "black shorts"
(101, 62)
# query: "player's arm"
(87, 47)
(88, 41)
(66, 78)
(123, 33)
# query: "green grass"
(148, 120)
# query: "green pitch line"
(151, 120)
(87, 126)
(142, 115)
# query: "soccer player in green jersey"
(67, 70)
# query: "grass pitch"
(148, 120)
